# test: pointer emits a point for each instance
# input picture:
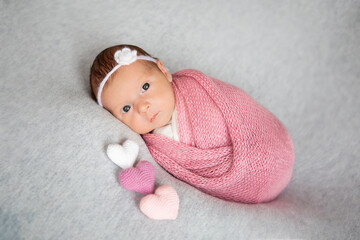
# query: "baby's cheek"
(136, 124)
(119, 118)
(125, 120)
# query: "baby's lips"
(154, 117)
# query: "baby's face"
(140, 96)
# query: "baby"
(205, 132)
(139, 93)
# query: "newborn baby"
(205, 132)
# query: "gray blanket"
(300, 59)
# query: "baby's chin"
(144, 131)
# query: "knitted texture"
(162, 205)
(139, 179)
(230, 146)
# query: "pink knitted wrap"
(230, 146)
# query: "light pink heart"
(140, 178)
(162, 205)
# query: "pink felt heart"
(140, 178)
(162, 205)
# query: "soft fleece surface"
(300, 59)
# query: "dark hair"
(105, 62)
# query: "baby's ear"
(164, 70)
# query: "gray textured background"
(300, 59)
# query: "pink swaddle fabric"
(230, 146)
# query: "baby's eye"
(145, 87)
(126, 109)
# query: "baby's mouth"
(153, 118)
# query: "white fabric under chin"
(170, 130)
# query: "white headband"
(123, 57)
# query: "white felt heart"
(123, 155)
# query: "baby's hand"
(123, 155)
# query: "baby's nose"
(143, 106)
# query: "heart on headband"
(162, 205)
(139, 179)
(123, 155)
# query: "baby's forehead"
(140, 66)
(148, 66)
(132, 73)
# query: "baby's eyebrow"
(142, 75)
(141, 80)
